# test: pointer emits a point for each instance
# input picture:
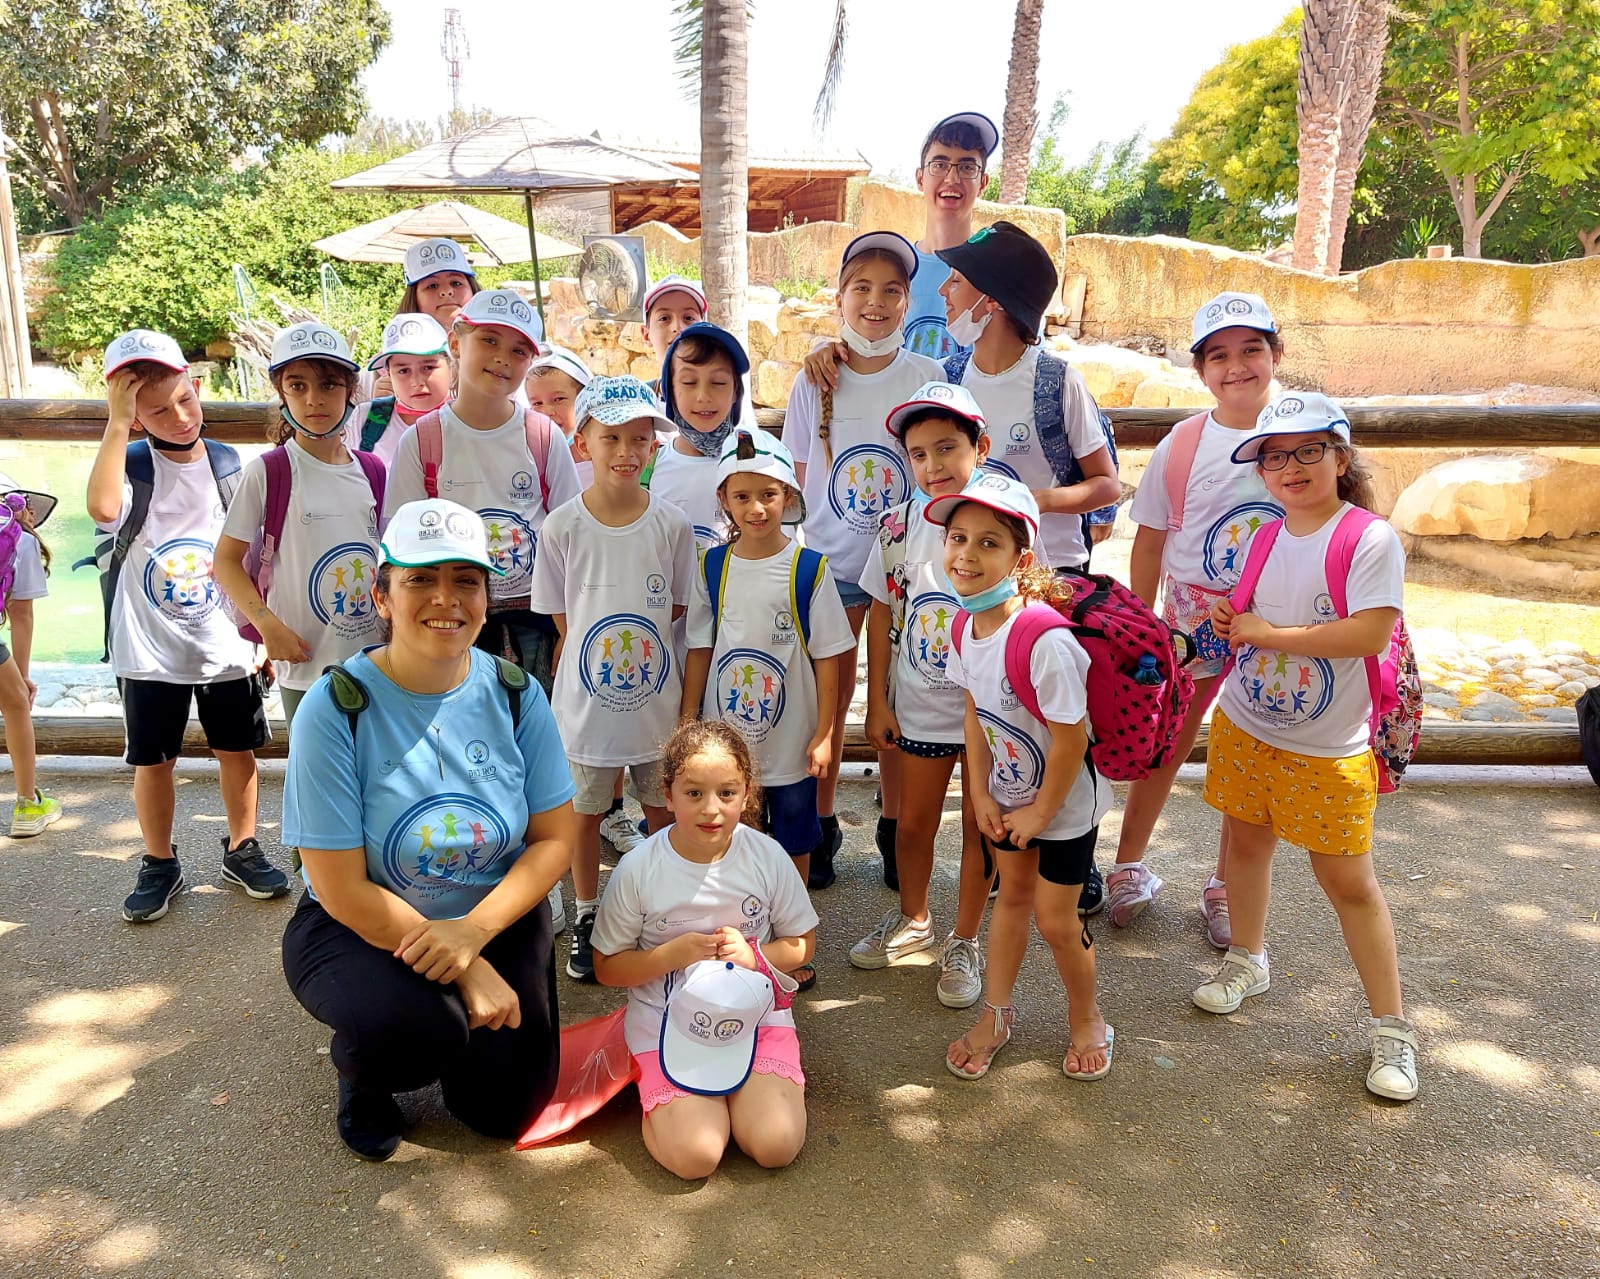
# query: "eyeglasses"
(966, 170)
(1306, 455)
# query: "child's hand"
(283, 644)
(382, 386)
(731, 945)
(33, 690)
(818, 753)
(821, 366)
(883, 729)
(122, 405)
(690, 948)
(1024, 824)
(1222, 616)
(988, 815)
(1250, 629)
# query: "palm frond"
(833, 68)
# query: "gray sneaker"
(558, 912)
(1237, 979)
(960, 973)
(892, 940)
(1393, 1073)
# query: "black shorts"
(929, 750)
(1064, 862)
(157, 713)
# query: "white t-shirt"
(690, 484)
(326, 563)
(927, 705)
(760, 681)
(1007, 403)
(1018, 742)
(618, 686)
(1313, 705)
(168, 622)
(870, 473)
(28, 581)
(1224, 505)
(655, 895)
(493, 473)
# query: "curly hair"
(1355, 485)
(707, 736)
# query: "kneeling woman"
(429, 796)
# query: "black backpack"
(1589, 731)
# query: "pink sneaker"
(1214, 906)
(1129, 889)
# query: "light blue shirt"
(436, 789)
(925, 330)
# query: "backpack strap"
(1026, 628)
(714, 565)
(649, 469)
(955, 367)
(1180, 465)
(380, 413)
(805, 573)
(538, 429)
(514, 680)
(280, 479)
(224, 462)
(1336, 565)
(1049, 419)
(377, 476)
(1255, 560)
(430, 450)
(349, 694)
(140, 468)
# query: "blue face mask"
(985, 599)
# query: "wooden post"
(16, 360)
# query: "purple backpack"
(11, 531)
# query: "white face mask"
(966, 330)
(867, 349)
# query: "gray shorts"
(5, 653)
(596, 784)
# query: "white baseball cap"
(310, 340)
(1230, 311)
(889, 242)
(945, 397)
(1297, 413)
(679, 283)
(615, 400)
(563, 361)
(429, 257)
(507, 309)
(436, 531)
(708, 1037)
(766, 455)
(973, 119)
(143, 344)
(411, 333)
(997, 492)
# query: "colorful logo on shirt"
(511, 550)
(926, 335)
(867, 480)
(1018, 759)
(623, 662)
(178, 581)
(1021, 439)
(443, 842)
(750, 693)
(1226, 541)
(705, 538)
(926, 637)
(340, 589)
(752, 906)
(522, 486)
(1284, 689)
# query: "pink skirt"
(777, 1053)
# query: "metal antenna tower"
(453, 48)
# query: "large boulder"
(1501, 497)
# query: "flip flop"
(1107, 1043)
(806, 976)
(1003, 1018)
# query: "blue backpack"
(805, 573)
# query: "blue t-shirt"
(925, 330)
(436, 789)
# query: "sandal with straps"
(1004, 1016)
(1080, 1053)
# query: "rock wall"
(1402, 328)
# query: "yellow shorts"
(1319, 804)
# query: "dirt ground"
(167, 1108)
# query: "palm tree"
(1022, 96)
(1371, 41)
(724, 161)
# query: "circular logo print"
(752, 906)
(867, 480)
(428, 519)
(926, 637)
(477, 752)
(521, 482)
(1289, 406)
(1214, 310)
(783, 620)
(926, 336)
(511, 550)
(178, 581)
(1226, 541)
(656, 584)
(340, 588)
(728, 1028)
(1238, 306)
(1284, 689)
(749, 691)
(444, 842)
(1018, 759)
(1019, 432)
(623, 661)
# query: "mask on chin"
(868, 349)
(167, 446)
(985, 599)
(966, 330)
(338, 426)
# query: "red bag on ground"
(595, 1066)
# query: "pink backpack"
(11, 531)
(1135, 725)
(280, 479)
(1393, 681)
(430, 449)
(1180, 465)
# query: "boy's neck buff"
(706, 443)
(167, 446)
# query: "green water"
(68, 625)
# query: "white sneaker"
(892, 940)
(558, 912)
(1393, 1072)
(960, 973)
(620, 831)
(1237, 979)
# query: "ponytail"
(825, 426)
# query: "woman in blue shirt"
(429, 797)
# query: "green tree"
(106, 97)
(1498, 91)
(1114, 190)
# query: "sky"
(607, 65)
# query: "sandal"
(806, 975)
(1081, 1053)
(1004, 1016)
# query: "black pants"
(395, 1031)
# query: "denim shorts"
(790, 815)
(851, 595)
